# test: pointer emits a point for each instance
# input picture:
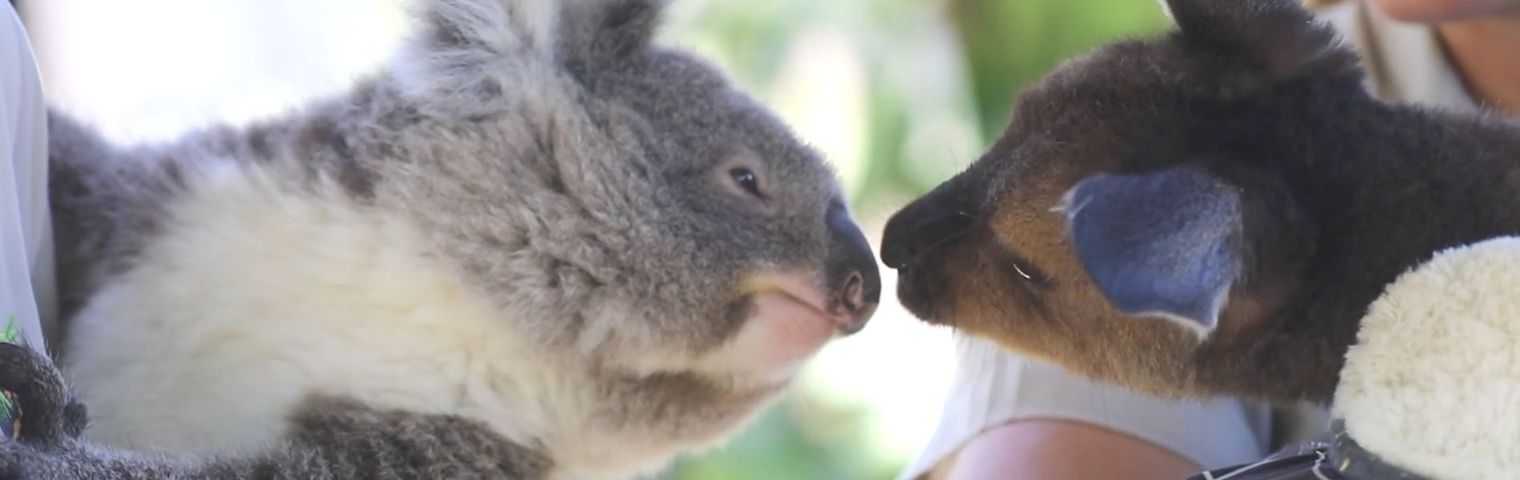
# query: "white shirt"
(1404, 61)
(26, 253)
(993, 387)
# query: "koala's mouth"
(786, 322)
(810, 300)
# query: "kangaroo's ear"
(1176, 243)
(1280, 38)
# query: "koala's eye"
(747, 180)
(743, 174)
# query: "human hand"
(1431, 11)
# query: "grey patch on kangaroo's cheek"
(1164, 244)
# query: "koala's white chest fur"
(254, 296)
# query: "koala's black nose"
(918, 228)
(853, 276)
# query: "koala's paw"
(20, 461)
(49, 415)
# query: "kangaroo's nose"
(919, 228)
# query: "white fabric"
(994, 387)
(26, 257)
(1433, 380)
(1404, 61)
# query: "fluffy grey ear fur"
(465, 54)
(1166, 244)
(597, 32)
(1280, 38)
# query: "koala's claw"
(48, 416)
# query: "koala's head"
(623, 202)
(1134, 211)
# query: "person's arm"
(1007, 416)
(26, 258)
(1061, 450)
(25, 235)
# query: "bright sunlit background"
(898, 94)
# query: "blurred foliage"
(794, 441)
(1011, 43)
(939, 78)
(997, 47)
(892, 39)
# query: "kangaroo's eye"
(747, 180)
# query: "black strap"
(1336, 457)
(1357, 463)
(1298, 462)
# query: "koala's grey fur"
(573, 178)
(332, 438)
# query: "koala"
(535, 245)
(1209, 212)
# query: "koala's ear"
(465, 53)
(593, 32)
(1282, 38)
(1167, 243)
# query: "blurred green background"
(897, 94)
(921, 67)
